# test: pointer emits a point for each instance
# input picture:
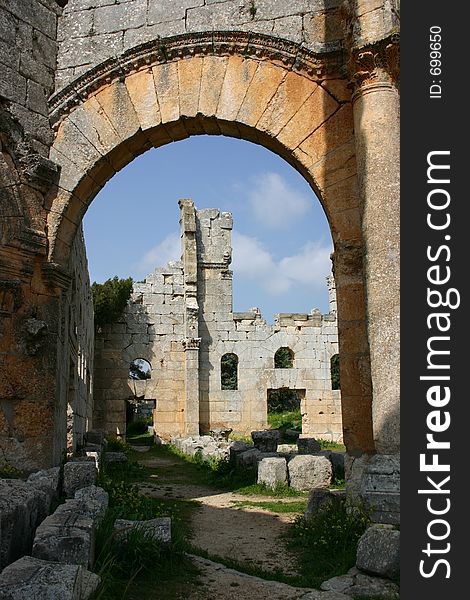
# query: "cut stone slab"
(66, 536)
(78, 475)
(22, 507)
(367, 585)
(307, 472)
(94, 501)
(320, 498)
(266, 441)
(95, 437)
(237, 448)
(307, 445)
(272, 472)
(378, 551)
(248, 459)
(341, 583)
(37, 579)
(119, 457)
(160, 528)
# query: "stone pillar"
(190, 423)
(372, 37)
(374, 70)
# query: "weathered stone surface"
(368, 586)
(22, 508)
(380, 488)
(307, 445)
(66, 536)
(378, 551)
(307, 472)
(94, 501)
(78, 475)
(159, 529)
(47, 480)
(265, 441)
(272, 472)
(320, 498)
(33, 578)
(237, 448)
(248, 459)
(115, 457)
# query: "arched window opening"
(284, 358)
(140, 369)
(334, 365)
(229, 372)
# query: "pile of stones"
(50, 555)
(303, 465)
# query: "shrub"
(326, 545)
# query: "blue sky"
(281, 239)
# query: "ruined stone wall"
(156, 326)
(75, 353)
(151, 328)
(28, 53)
(92, 31)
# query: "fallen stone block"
(367, 586)
(95, 436)
(307, 445)
(266, 441)
(237, 448)
(159, 529)
(94, 502)
(66, 536)
(248, 459)
(22, 507)
(38, 579)
(288, 449)
(319, 499)
(307, 472)
(78, 475)
(115, 457)
(378, 551)
(272, 472)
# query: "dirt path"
(250, 535)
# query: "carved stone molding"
(377, 63)
(161, 50)
(191, 343)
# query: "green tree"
(335, 383)
(229, 371)
(284, 358)
(110, 299)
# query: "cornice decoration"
(378, 62)
(191, 343)
(259, 46)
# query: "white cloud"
(275, 204)
(308, 268)
(158, 256)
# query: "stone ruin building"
(180, 320)
(88, 85)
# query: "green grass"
(139, 567)
(326, 546)
(329, 445)
(276, 507)
(289, 419)
(280, 491)
(140, 439)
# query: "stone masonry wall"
(155, 327)
(75, 354)
(91, 31)
(28, 54)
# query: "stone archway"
(260, 89)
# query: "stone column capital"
(375, 66)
